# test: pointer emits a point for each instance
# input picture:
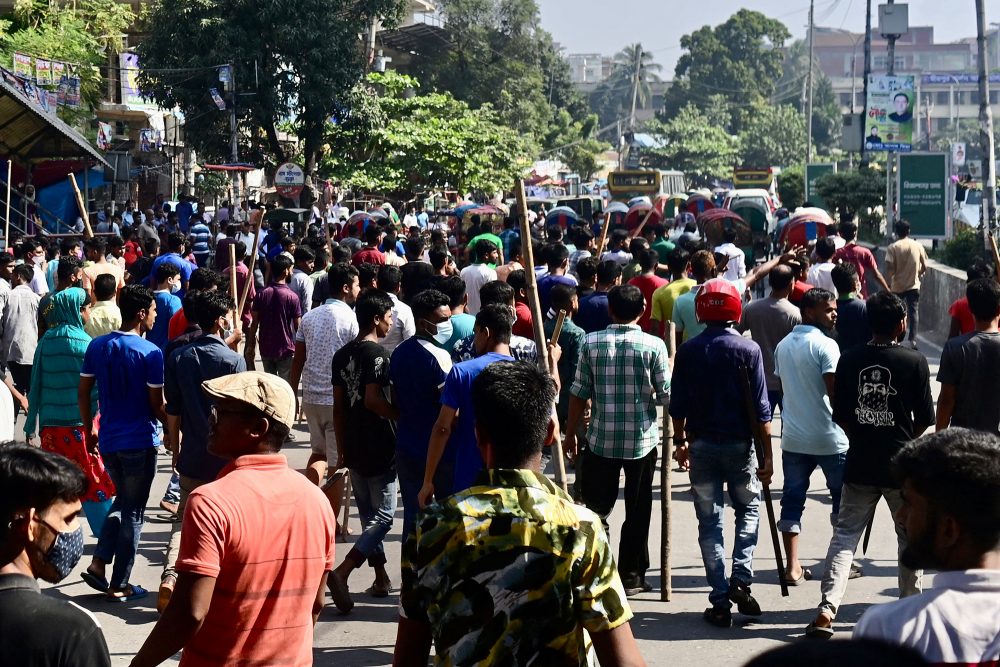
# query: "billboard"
(922, 189)
(889, 114)
(131, 95)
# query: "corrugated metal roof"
(29, 133)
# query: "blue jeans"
(376, 501)
(715, 465)
(411, 478)
(132, 471)
(797, 468)
(173, 492)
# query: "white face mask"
(38, 259)
(175, 287)
(444, 332)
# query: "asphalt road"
(669, 633)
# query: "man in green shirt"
(654, 233)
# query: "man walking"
(514, 523)
(189, 410)
(621, 366)
(128, 372)
(593, 315)
(390, 281)
(950, 514)
(678, 261)
(19, 327)
(257, 543)
(969, 365)
(276, 316)
(713, 439)
(860, 257)
(769, 320)
(363, 420)
(301, 282)
(479, 273)
(905, 265)
(684, 317)
(882, 400)
(805, 361)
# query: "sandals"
(805, 575)
(377, 591)
(340, 593)
(132, 592)
(99, 584)
(814, 631)
(720, 617)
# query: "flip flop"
(814, 631)
(138, 592)
(99, 584)
(377, 591)
(806, 575)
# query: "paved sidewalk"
(669, 633)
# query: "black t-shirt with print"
(880, 392)
(370, 446)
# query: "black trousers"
(20, 374)
(599, 487)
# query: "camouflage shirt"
(510, 572)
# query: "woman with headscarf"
(52, 400)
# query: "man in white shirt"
(301, 282)
(819, 273)
(324, 330)
(951, 515)
(478, 274)
(409, 220)
(390, 280)
(737, 266)
(806, 361)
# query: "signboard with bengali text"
(922, 187)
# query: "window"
(845, 99)
(879, 62)
(942, 97)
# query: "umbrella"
(634, 201)
(714, 221)
(616, 207)
(378, 214)
(564, 216)
(636, 214)
(359, 220)
(459, 211)
(697, 204)
(806, 226)
(813, 213)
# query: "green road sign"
(922, 189)
(813, 174)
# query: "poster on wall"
(131, 95)
(23, 66)
(43, 72)
(889, 114)
(71, 94)
(104, 136)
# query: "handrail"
(59, 222)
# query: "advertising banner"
(922, 189)
(131, 95)
(43, 72)
(23, 66)
(889, 114)
(813, 174)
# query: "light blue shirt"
(801, 360)
(684, 316)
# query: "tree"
(773, 136)
(82, 33)
(297, 61)
(855, 193)
(634, 67)
(694, 145)
(739, 59)
(791, 187)
(403, 143)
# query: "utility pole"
(809, 99)
(890, 162)
(864, 82)
(234, 145)
(988, 209)
(635, 85)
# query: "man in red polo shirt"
(862, 258)
(256, 545)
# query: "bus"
(626, 184)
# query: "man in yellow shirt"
(679, 262)
(905, 265)
(105, 316)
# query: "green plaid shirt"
(624, 372)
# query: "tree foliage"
(739, 59)
(693, 144)
(791, 187)
(403, 142)
(858, 193)
(80, 33)
(773, 136)
(612, 99)
(296, 60)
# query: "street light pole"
(809, 102)
(988, 209)
(867, 72)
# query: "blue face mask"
(65, 552)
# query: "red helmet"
(718, 300)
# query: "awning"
(30, 134)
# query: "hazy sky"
(605, 26)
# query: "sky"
(606, 26)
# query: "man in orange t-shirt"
(256, 545)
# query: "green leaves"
(695, 145)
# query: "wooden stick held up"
(87, 231)
(666, 465)
(6, 226)
(638, 230)
(259, 215)
(996, 254)
(604, 235)
(237, 319)
(528, 255)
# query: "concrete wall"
(941, 287)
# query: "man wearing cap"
(712, 437)
(256, 544)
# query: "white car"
(967, 212)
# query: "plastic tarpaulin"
(60, 199)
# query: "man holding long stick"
(705, 407)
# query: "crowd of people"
(409, 349)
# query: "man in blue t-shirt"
(175, 246)
(128, 372)
(168, 282)
(493, 331)
(417, 371)
(593, 314)
(184, 212)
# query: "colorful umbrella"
(714, 221)
(637, 213)
(698, 204)
(563, 216)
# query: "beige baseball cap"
(268, 393)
